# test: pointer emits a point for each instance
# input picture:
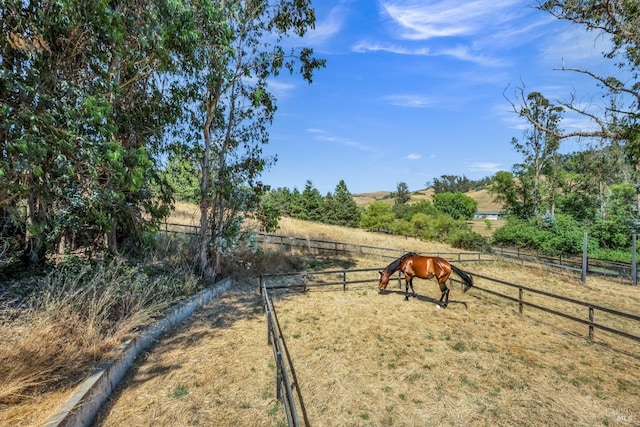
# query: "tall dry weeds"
(81, 313)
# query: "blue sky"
(414, 89)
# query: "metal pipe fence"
(286, 380)
(309, 279)
(617, 270)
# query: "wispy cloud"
(280, 89)
(484, 167)
(326, 27)
(363, 47)
(465, 53)
(460, 52)
(414, 156)
(321, 135)
(410, 101)
(575, 47)
(445, 18)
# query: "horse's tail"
(466, 277)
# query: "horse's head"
(384, 280)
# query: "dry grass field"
(370, 359)
(484, 199)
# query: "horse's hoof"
(406, 298)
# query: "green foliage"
(183, 175)
(611, 234)
(378, 214)
(467, 240)
(402, 194)
(401, 227)
(457, 205)
(458, 184)
(312, 203)
(563, 235)
(519, 232)
(402, 211)
(340, 208)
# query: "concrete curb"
(84, 404)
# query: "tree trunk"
(205, 198)
(36, 216)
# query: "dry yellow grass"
(216, 370)
(369, 359)
(376, 360)
(484, 199)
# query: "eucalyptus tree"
(539, 145)
(82, 109)
(618, 118)
(240, 45)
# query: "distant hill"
(484, 199)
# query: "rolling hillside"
(484, 199)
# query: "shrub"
(468, 240)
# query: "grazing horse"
(424, 267)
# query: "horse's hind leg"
(444, 298)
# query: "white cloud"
(422, 20)
(280, 89)
(575, 47)
(326, 27)
(484, 167)
(464, 53)
(410, 101)
(363, 47)
(321, 135)
(414, 156)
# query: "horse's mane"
(393, 267)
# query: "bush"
(562, 235)
(401, 227)
(467, 240)
(518, 232)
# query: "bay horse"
(424, 267)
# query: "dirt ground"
(371, 359)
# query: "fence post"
(591, 317)
(584, 259)
(269, 326)
(634, 267)
(520, 306)
(344, 280)
(278, 376)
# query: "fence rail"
(591, 308)
(305, 280)
(610, 269)
(617, 270)
(286, 381)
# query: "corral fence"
(622, 272)
(326, 246)
(286, 381)
(552, 306)
(608, 319)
